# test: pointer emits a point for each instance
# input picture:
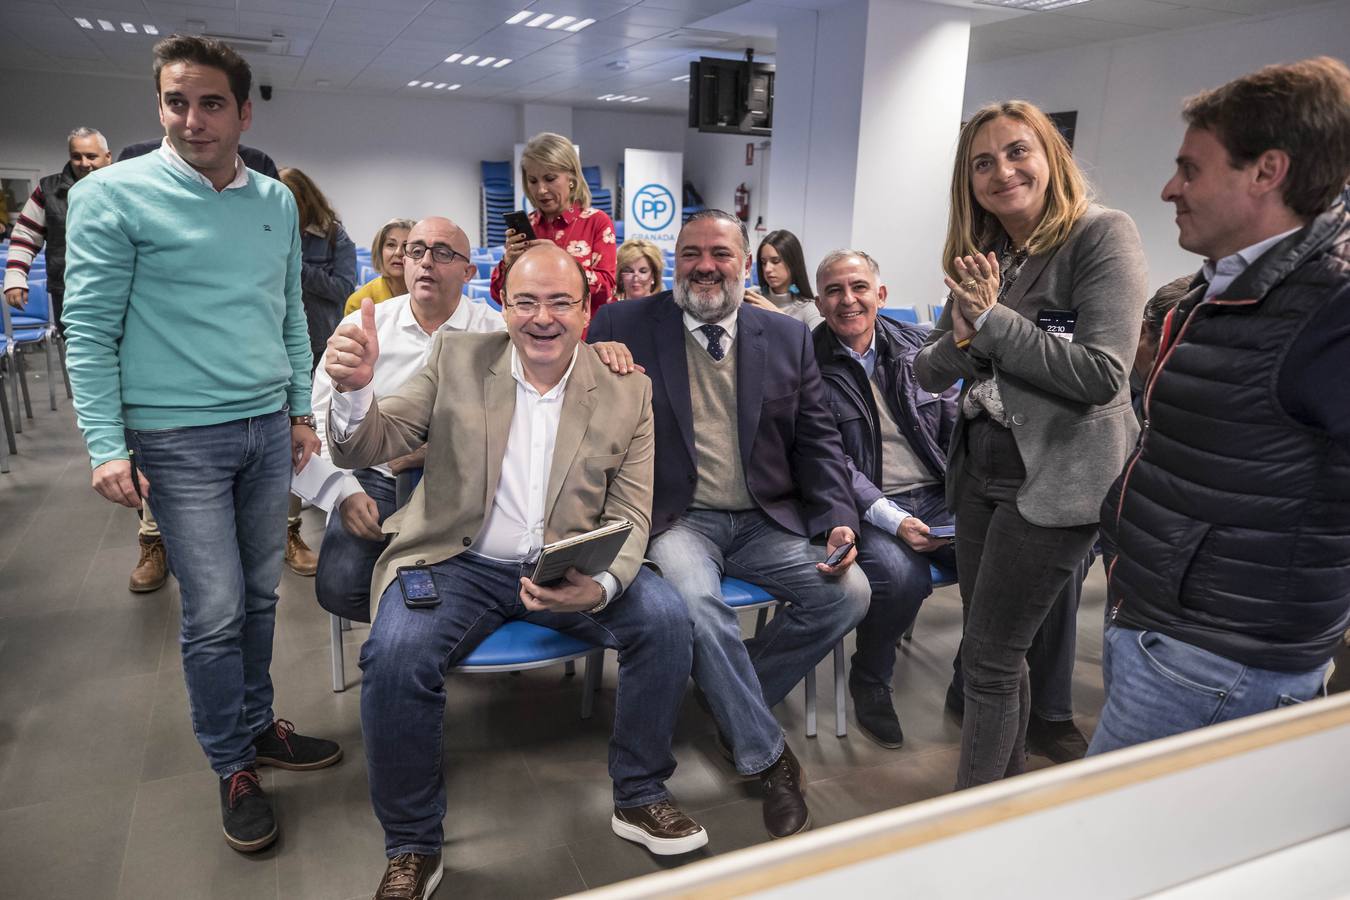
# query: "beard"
(713, 308)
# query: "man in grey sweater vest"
(749, 473)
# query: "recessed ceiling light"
(468, 60)
(577, 26)
(605, 97)
(681, 78)
(487, 61)
(641, 99)
(519, 17)
(560, 22)
(453, 57)
(441, 86)
(426, 84)
(454, 87)
(83, 23)
(128, 28)
(501, 62)
(150, 29)
(538, 20)
(106, 25)
(1033, 5)
(414, 83)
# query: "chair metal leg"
(840, 710)
(570, 668)
(5, 448)
(761, 619)
(14, 389)
(595, 665)
(346, 624)
(335, 651)
(65, 373)
(23, 384)
(810, 684)
(5, 413)
(51, 374)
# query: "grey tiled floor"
(104, 793)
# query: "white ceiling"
(636, 47)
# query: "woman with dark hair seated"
(785, 285)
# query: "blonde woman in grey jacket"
(1041, 323)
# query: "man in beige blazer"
(530, 439)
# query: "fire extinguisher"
(743, 202)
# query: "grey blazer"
(1069, 402)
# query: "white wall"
(374, 157)
(1128, 95)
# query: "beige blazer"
(460, 406)
(1069, 402)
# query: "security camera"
(266, 91)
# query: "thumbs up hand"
(352, 351)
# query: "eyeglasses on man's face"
(444, 255)
(528, 309)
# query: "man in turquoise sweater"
(188, 349)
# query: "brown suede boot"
(301, 559)
(151, 572)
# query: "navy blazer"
(791, 452)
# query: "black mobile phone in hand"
(942, 532)
(419, 588)
(518, 222)
(838, 555)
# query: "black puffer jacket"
(926, 419)
(1231, 522)
(55, 189)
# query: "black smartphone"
(942, 532)
(838, 555)
(518, 222)
(419, 588)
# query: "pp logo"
(653, 207)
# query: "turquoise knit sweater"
(182, 304)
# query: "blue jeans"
(742, 680)
(342, 583)
(1157, 686)
(220, 494)
(410, 651)
(900, 579)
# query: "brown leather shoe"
(152, 571)
(660, 827)
(785, 811)
(301, 559)
(410, 876)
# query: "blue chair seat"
(900, 313)
(31, 335)
(741, 594)
(520, 644)
(20, 320)
(941, 576)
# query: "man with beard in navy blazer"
(750, 483)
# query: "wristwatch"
(604, 601)
(302, 420)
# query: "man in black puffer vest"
(1230, 589)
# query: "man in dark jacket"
(43, 220)
(1231, 522)
(896, 436)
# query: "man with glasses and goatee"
(437, 266)
(530, 439)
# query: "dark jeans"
(342, 584)
(410, 651)
(1011, 573)
(219, 493)
(900, 580)
(1053, 652)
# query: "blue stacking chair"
(485, 267)
(30, 327)
(8, 445)
(514, 647)
(936, 311)
(900, 313)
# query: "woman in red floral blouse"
(562, 214)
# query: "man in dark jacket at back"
(1230, 590)
(896, 436)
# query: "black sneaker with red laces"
(282, 746)
(246, 813)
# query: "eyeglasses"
(528, 309)
(439, 252)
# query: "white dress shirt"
(404, 348)
(513, 529)
(1224, 272)
(696, 326)
(178, 163)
